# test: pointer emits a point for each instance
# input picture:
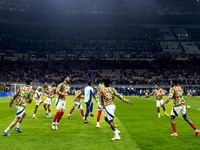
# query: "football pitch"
(140, 128)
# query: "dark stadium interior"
(132, 42)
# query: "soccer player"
(159, 101)
(88, 101)
(107, 98)
(39, 93)
(188, 93)
(100, 105)
(50, 97)
(76, 102)
(74, 92)
(140, 92)
(147, 92)
(176, 93)
(62, 92)
(23, 96)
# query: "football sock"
(71, 110)
(56, 116)
(116, 132)
(7, 130)
(193, 126)
(99, 115)
(60, 116)
(46, 111)
(18, 124)
(174, 129)
(82, 113)
(33, 115)
(165, 112)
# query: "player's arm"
(122, 98)
(46, 92)
(91, 92)
(171, 93)
(54, 95)
(101, 97)
(14, 97)
(30, 96)
(150, 94)
(163, 92)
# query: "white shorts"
(37, 98)
(48, 101)
(159, 102)
(110, 112)
(78, 104)
(176, 110)
(100, 106)
(20, 111)
(60, 104)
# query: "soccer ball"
(188, 106)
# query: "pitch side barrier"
(123, 89)
(6, 94)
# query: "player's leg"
(113, 127)
(109, 119)
(37, 101)
(49, 110)
(87, 112)
(91, 109)
(165, 110)
(49, 106)
(5, 132)
(61, 113)
(20, 113)
(73, 107)
(45, 106)
(174, 113)
(58, 113)
(60, 116)
(158, 107)
(102, 113)
(81, 108)
(82, 113)
(173, 126)
(184, 114)
(100, 107)
(158, 110)
(35, 111)
(162, 105)
(19, 122)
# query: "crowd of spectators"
(120, 72)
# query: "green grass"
(140, 128)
